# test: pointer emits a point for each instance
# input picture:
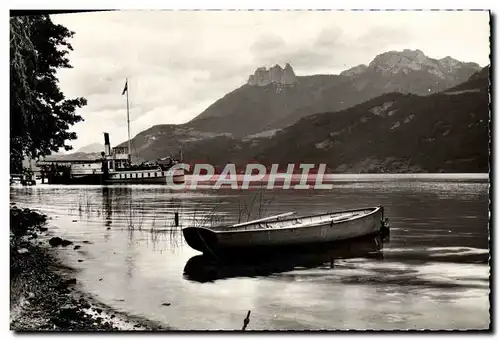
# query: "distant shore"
(43, 295)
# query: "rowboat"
(285, 231)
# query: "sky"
(180, 62)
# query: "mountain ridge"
(395, 132)
(253, 109)
(91, 148)
(272, 123)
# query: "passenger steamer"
(114, 167)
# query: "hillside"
(91, 148)
(443, 132)
(243, 116)
(395, 132)
(80, 156)
(404, 112)
(252, 109)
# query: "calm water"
(433, 273)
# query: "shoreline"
(44, 296)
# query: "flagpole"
(128, 124)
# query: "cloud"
(180, 62)
(330, 50)
(381, 37)
(268, 42)
(329, 37)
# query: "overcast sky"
(180, 62)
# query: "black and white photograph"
(250, 170)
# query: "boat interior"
(305, 221)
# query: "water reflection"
(436, 263)
(134, 206)
(107, 206)
(204, 268)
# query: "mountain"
(404, 72)
(276, 74)
(475, 83)
(252, 109)
(167, 140)
(402, 112)
(443, 132)
(447, 131)
(91, 148)
(269, 101)
(387, 70)
(80, 156)
(87, 152)
(395, 132)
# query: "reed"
(253, 211)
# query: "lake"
(432, 274)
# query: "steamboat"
(113, 167)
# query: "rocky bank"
(43, 294)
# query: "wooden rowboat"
(285, 231)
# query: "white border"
(198, 4)
(255, 4)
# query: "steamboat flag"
(125, 89)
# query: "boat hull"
(155, 180)
(93, 179)
(145, 177)
(209, 241)
(123, 177)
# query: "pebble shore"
(43, 294)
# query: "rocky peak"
(449, 62)
(275, 74)
(395, 62)
(406, 61)
(354, 70)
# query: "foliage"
(40, 115)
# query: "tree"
(40, 115)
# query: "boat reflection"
(205, 268)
